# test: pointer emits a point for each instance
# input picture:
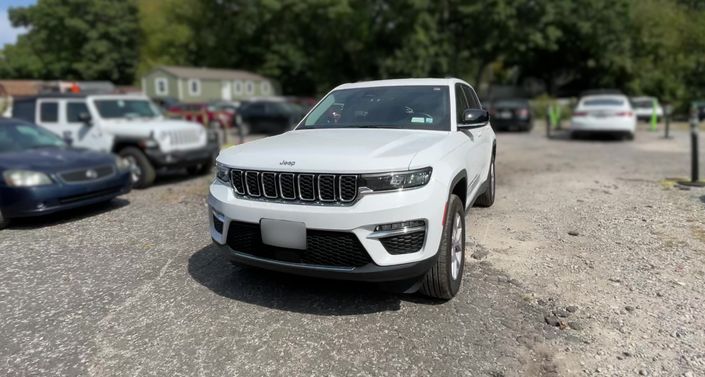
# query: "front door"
(226, 91)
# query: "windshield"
(125, 108)
(21, 136)
(423, 107)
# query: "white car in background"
(644, 108)
(604, 113)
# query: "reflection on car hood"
(334, 150)
(50, 160)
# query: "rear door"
(48, 115)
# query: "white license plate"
(281, 233)
(504, 115)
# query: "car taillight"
(523, 113)
(625, 114)
(580, 113)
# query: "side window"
(472, 97)
(461, 103)
(74, 110)
(49, 112)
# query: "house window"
(194, 87)
(250, 88)
(161, 86)
(237, 87)
(265, 87)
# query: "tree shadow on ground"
(211, 268)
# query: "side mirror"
(85, 118)
(474, 118)
(67, 138)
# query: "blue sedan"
(41, 174)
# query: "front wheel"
(443, 279)
(142, 171)
(3, 221)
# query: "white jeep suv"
(372, 185)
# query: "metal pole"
(694, 168)
(548, 123)
(667, 120)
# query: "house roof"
(20, 87)
(211, 73)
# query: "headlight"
(222, 173)
(25, 178)
(122, 164)
(396, 180)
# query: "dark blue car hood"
(51, 160)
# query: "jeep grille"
(301, 187)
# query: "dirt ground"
(589, 263)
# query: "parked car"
(644, 108)
(203, 113)
(41, 174)
(128, 125)
(165, 103)
(269, 116)
(604, 114)
(372, 185)
(700, 106)
(512, 114)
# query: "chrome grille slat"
(269, 185)
(252, 183)
(301, 188)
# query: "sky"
(8, 34)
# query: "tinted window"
(603, 102)
(49, 112)
(73, 110)
(473, 101)
(424, 107)
(24, 110)
(461, 103)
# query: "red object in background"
(202, 113)
(74, 88)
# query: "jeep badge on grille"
(288, 163)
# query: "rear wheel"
(444, 278)
(142, 171)
(487, 198)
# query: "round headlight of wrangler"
(25, 178)
(396, 180)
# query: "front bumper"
(33, 201)
(180, 159)
(359, 219)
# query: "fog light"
(401, 225)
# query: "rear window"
(512, 103)
(643, 104)
(49, 112)
(604, 102)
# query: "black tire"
(441, 281)
(487, 197)
(143, 173)
(3, 221)
(201, 169)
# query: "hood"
(51, 160)
(334, 150)
(142, 127)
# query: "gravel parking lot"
(589, 263)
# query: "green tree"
(75, 39)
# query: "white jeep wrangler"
(128, 125)
(372, 185)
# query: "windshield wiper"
(372, 126)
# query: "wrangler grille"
(304, 187)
